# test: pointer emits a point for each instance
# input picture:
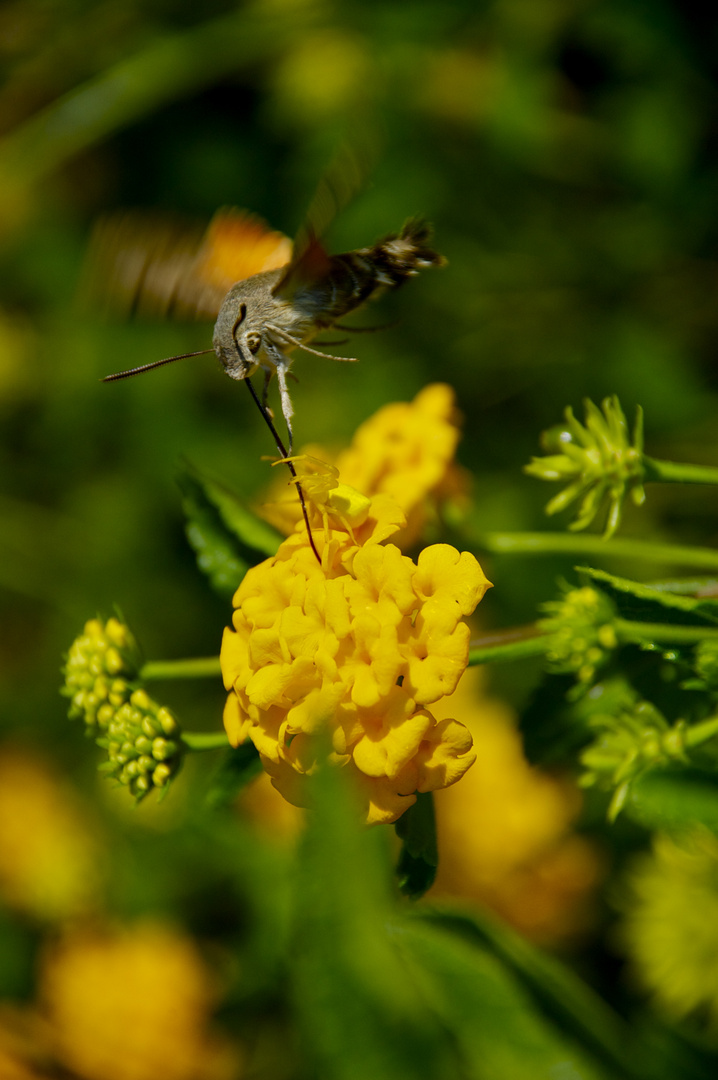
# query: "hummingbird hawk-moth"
(268, 297)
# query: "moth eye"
(253, 342)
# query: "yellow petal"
(444, 573)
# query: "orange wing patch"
(140, 265)
(238, 245)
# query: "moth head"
(237, 340)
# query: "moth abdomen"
(402, 255)
(356, 276)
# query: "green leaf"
(552, 992)
(645, 603)
(361, 1017)
(238, 769)
(227, 537)
(498, 1029)
(419, 857)
(548, 724)
(670, 798)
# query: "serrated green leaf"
(226, 537)
(672, 798)
(238, 769)
(645, 603)
(419, 857)
(250, 530)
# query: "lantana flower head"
(405, 450)
(357, 645)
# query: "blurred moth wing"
(142, 265)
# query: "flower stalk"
(203, 667)
(556, 543)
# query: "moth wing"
(310, 263)
(137, 264)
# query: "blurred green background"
(566, 153)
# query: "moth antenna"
(154, 364)
(315, 352)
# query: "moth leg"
(287, 409)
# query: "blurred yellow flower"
(133, 1004)
(670, 923)
(357, 646)
(504, 833)
(25, 1052)
(406, 450)
(48, 855)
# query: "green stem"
(508, 645)
(202, 667)
(701, 733)
(200, 740)
(550, 543)
(661, 633)
(672, 472)
(523, 642)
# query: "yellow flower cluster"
(48, 853)
(357, 647)
(406, 450)
(132, 1004)
(504, 832)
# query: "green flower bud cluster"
(582, 631)
(706, 667)
(143, 745)
(598, 461)
(628, 744)
(101, 664)
(142, 738)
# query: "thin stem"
(203, 667)
(673, 472)
(200, 740)
(661, 633)
(555, 543)
(515, 644)
(523, 642)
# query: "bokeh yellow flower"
(356, 646)
(405, 450)
(48, 854)
(504, 833)
(24, 1044)
(133, 1004)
